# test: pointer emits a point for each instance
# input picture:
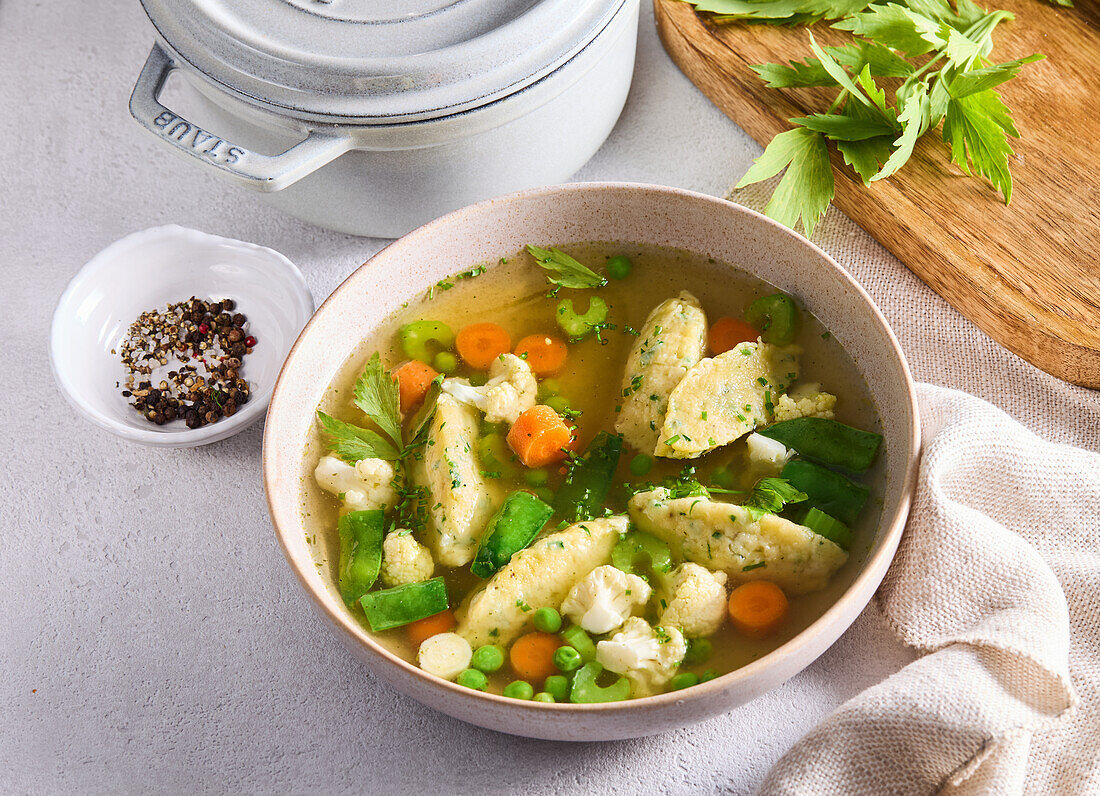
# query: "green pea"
(549, 387)
(537, 477)
(543, 696)
(641, 464)
(567, 659)
(557, 686)
(709, 674)
(488, 658)
(519, 689)
(547, 620)
(559, 403)
(478, 379)
(619, 267)
(683, 680)
(422, 339)
(699, 649)
(495, 455)
(445, 362)
(722, 477)
(472, 678)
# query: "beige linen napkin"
(1004, 531)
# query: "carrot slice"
(413, 380)
(544, 354)
(423, 629)
(758, 608)
(532, 656)
(726, 333)
(480, 343)
(540, 437)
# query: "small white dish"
(150, 269)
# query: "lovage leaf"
(977, 126)
(352, 443)
(377, 395)
(896, 27)
(563, 270)
(966, 83)
(914, 121)
(807, 188)
(842, 127)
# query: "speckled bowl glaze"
(643, 214)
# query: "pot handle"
(261, 172)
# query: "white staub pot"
(374, 117)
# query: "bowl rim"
(281, 268)
(866, 581)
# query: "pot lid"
(386, 61)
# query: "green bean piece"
(495, 456)
(543, 696)
(472, 678)
(445, 362)
(619, 266)
(639, 547)
(423, 339)
(585, 690)
(547, 620)
(514, 526)
(827, 441)
(576, 638)
(567, 659)
(707, 676)
(519, 689)
(403, 604)
(559, 403)
(557, 686)
(361, 534)
(827, 491)
(582, 495)
(831, 528)
(776, 316)
(641, 464)
(488, 658)
(699, 649)
(576, 325)
(683, 680)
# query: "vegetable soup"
(593, 474)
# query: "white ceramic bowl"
(560, 215)
(150, 269)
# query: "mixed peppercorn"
(184, 362)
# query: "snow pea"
(514, 525)
(584, 490)
(776, 316)
(827, 442)
(403, 604)
(586, 691)
(828, 491)
(576, 325)
(638, 546)
(417, 339)
(361, 534)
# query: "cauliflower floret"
(444, 655)
(697, 601)
(510, 391)
(767, 454)
(404, 560)
(604, 599)
(367, 485)
(805, 400)
(647, 656)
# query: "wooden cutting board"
(1028, 274)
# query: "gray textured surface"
(151, 634)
